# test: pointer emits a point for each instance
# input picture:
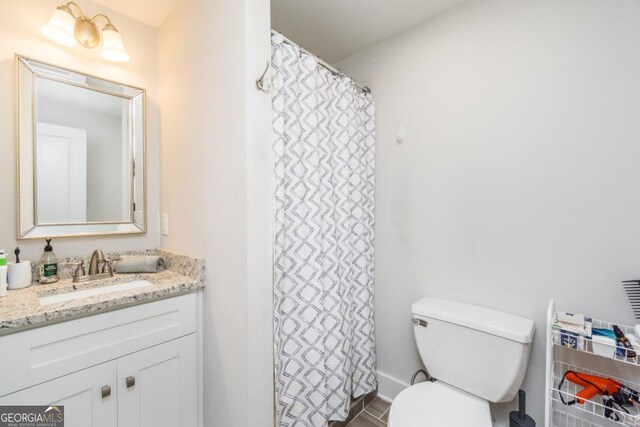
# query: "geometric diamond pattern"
(324, 150)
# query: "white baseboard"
(389, 387)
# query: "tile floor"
(366, 411)
(375, 414)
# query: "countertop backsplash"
(180, 264)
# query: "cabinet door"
(81, 395)
(157, 387)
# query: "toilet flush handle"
(419, 322)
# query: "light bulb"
(112, 48)
(60, 28)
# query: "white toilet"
(477, 356)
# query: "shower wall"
(518, 180)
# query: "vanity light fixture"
(68, 28)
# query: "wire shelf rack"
(594, 406)
(586, 345)
(565, 419)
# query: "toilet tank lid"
(494, 322)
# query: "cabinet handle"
(131, 381)
(106, 391)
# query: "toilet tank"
(481, 351)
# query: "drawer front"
(38, 355)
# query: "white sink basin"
(74, 295)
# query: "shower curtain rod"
(323, 63)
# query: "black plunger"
(520, 418)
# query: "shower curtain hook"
(260, 82)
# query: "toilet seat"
(436, 404)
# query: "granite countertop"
(21, 309)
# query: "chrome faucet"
(99, 268)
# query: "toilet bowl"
(476, 355)
(436, 404)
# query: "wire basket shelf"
(594, 406)
(565, 419)
(586, 345)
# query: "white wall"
(260, 181)
(20, 24)
(214, 164)
(518, 180)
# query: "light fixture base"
(87, 33)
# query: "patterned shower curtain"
(324, 130)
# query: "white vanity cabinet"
(157, 387)
(134, 367)
(80, 393)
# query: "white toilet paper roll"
(19, 275)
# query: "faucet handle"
(80, 271)
(107, 268)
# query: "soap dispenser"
(48, 266)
